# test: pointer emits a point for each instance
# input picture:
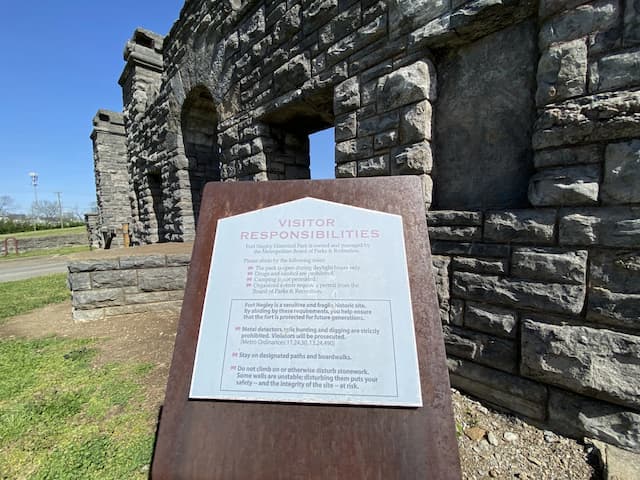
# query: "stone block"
(87, 315)
(346, 170)
(565, 186)
(460, 233)
(567, 156)
(142, 261)
(456, 312)
(578, 416)
(550, 265)
(611, 227)
(597, 16)
(614, 289)
(404, 14)
(79, 281)
(406, 85)
(378, 123)
(562, 72)
(496, 321)
(385, 140)
(374, 166)
(94, 265)
(361, 147)
(471, 249)
(596, 362)
(441, 271)
(485, 349)
(145, 297)
(317, 12)
(631, 31)
(364, 36)
(104, 297)
(621, 182)
(520, 226)
(453, 217)
(415, 122)
(346, 127)
(346, 96)
(412, 159)
(503, 389)
(340, 26)
(478, 265)
(546, 297)
(160, 279)
(615, 72)
(113, 279)
(547, 8)
(178, 259)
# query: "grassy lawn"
(45, 253)
(45, 233)
(24, 295)
(62, 418)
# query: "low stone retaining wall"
(127, 284)
(43, 243)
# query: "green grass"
(24, 295)
(49, 252)
(44, 233)
(62, 418)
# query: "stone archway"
(199, 122)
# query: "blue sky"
(60, 64)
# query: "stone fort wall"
(522, 118)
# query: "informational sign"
(308, 301)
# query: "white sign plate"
(308, 301)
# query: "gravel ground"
(497, 445)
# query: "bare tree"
(46, 210)
(7, 204)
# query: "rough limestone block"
(112, 279)
(406, 85)
(453, 217)
(378, 123)
(594, 362)
(441, 271)
(550, 7)
(567, 156)
(341, 26)
(159, 279)
(615, 72)
(455, 233)
(565, 186)
(374, 166)
(611, 227)
(94, 265)
(622, 172)
(385, 140)
(631, 32)
(456, 313)
(477, 265)
(415, 122)
(520, 226)
(104, 297)
(346, 127)
(317, 12)
(594, 17)
(497, 321)
(614, 289)
(474, 249)
(346, 170)
(604, 116)
(145, 297)
(562, 72)
(427, 189)
(79, 281)
(178, 259)
(546, 297)
(346, 96)
(293, 74)
(87, 315)
(405, 14)
(361, 147)
(550, 265)
(142, 261)
(412, 159)
(484, 349)
(512, 392)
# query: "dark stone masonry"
(522, 118)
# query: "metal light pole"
(34, 182)
(60, 208)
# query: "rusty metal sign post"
(309, 344)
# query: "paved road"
(20, 269)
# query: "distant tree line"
(47, 216)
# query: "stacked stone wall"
(522, 118)
(44, 243)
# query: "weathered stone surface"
(549, 7)
(374, 166)
(562, 72)
(114, 278)
(385, 140)
(406, 85)
(492, 320)
(378, 123)
(415, 123)
(142, 261)
(565, 186)
(611, 227)
(631, 32)
(178, 259)
(484, 122)
(510, 391)
(456, 312)
(567, 156)
(472, 249)
(550, 265)
(578, 416)
(599, 363)
(520, 226)
(621, 182)
(79, 281)
(441, 270)
(476, 265)
(146, 297)
(349, 150)
(89, 299)
(346, 127)
(549, 297)
(159, 279)
(485, 349)
(614, 289)
(454, 217)
(416, 158)
(403, 14)
(597, 16)
(347, 96)
(455, 233)
(94, 265)
(605, 116)
(615, 72)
